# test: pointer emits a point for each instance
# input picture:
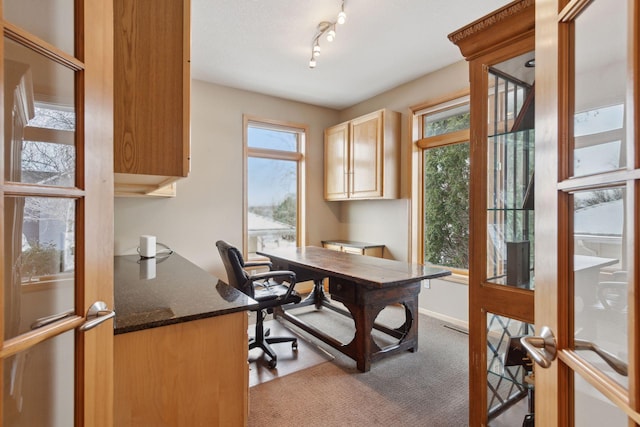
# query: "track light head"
(331, 35)
(328, 29)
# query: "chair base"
(263, 340)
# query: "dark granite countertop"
(169, 289)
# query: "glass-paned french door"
(49, 192)
(589, 133)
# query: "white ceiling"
(264, 46)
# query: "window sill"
(455, 277)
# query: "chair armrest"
(283, 275)
(258, 264)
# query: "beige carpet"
(426, 388)
(289, 361)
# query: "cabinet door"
(336, 159)
(501, 295)
(590, 186)
(56, 204)
(152, 114)
(366, 157)
(332, 246)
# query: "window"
(274, 185)
(443, 138)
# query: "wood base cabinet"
(187, 374)
(361, 158)
(358, 248)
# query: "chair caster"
(272, 363)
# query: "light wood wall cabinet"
(361, 158)
(152, 93)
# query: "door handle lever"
(97, 313)
(616, 364)
(542, 349)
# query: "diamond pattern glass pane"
(508, 367)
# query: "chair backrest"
(234, 265)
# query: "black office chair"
(270, 289)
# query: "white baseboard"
(463, 324)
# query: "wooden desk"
(180, 345)
(365, 285)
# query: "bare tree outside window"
(48, 157)
(272, 186)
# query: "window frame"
(419, 145)
(265, 153)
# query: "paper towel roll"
(147, 246)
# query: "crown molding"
(515, 18)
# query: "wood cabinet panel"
(152, 92)
(185, 374)
(497, 47)
(336, 150)
(365, 157)
(362, 158)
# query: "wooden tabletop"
(362, 269)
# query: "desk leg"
(317, 295)
(362, 347)
(410, 326)
(363, 306)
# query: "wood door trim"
(19, 189)
(600, 381)
(508, 301)
(604, 180)
(29, 339)
(18, 35)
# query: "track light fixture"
(328, 29)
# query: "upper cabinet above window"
(361, 158)
(152, 92)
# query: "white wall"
(208, 206)
(387, 221)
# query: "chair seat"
(274, 293)
(270, 289)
